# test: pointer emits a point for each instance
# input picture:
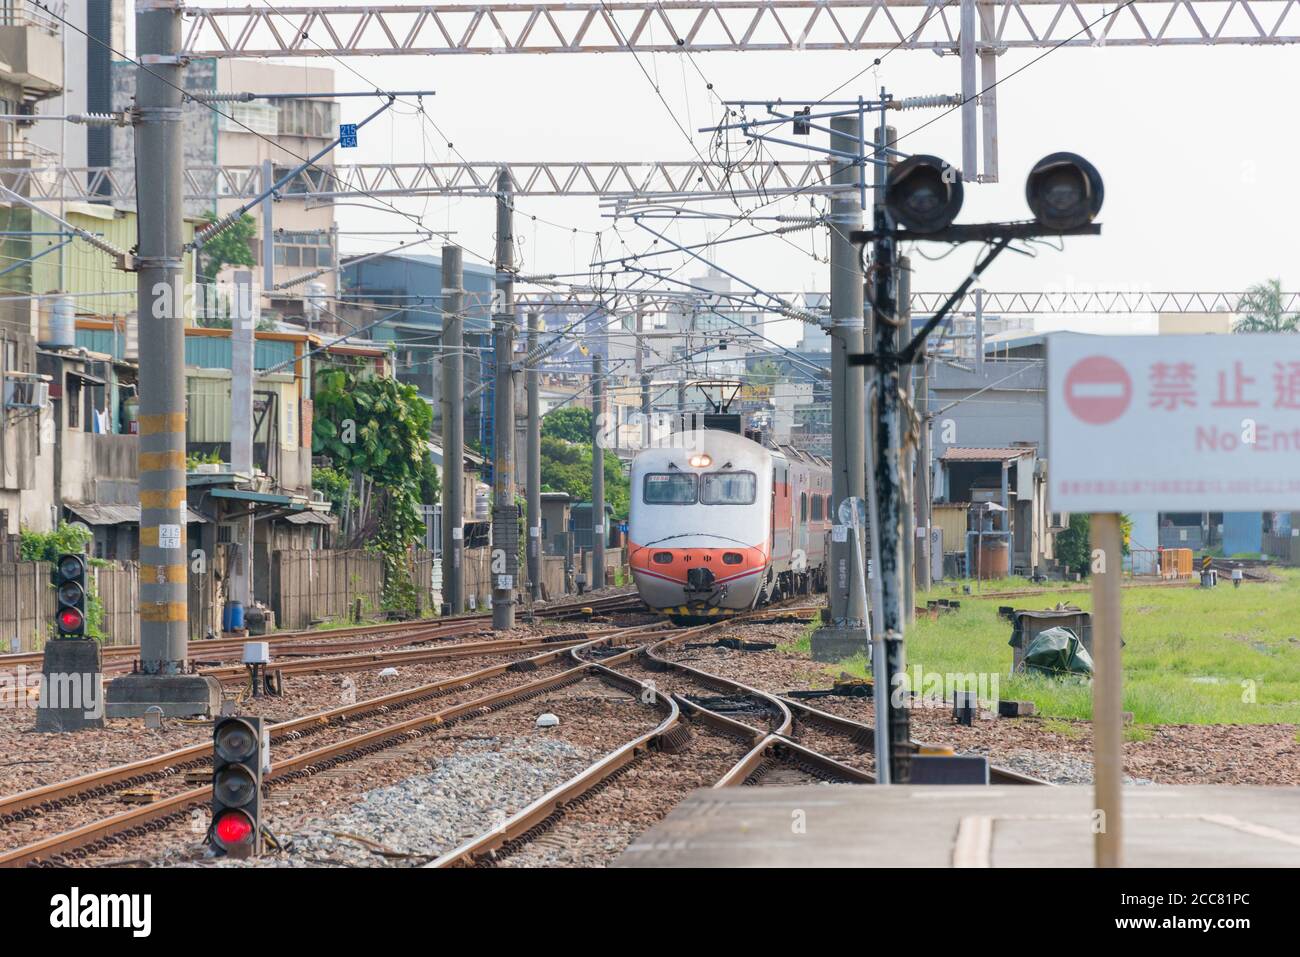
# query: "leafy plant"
(1261, 310)
(566, 467)
(571, 424)
(194, 459)
(376, 430)
(63, 540)
(231, 247)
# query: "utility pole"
(597, 472)
(164, 606)
(534, 464)
(846, 634)
(242, 345)
(505, 513)
(904, 334)
(453, 431)
(891, 721)
(268, 227)
(921, 393)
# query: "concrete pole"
(978, 293)
(681, 402)
(241, 426)
(534, 464)
(597, 472)
(909, 458)
(160, 313)
(1107, 693)
(888, 484)
(505, 513)
(921, 378)
(268, 228)
(645, 410)
(453, 431)
(848, 399)
(164, 611)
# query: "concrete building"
(285, 132)
(405, 291)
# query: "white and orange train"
(720, 524)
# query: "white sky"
(1197, 147)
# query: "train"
(720, 523)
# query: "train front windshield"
(671, 488)
(728, 488)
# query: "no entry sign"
(1173, 423)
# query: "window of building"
(311, 249)
(803, 506)
(318, 118)
(817, 511)
(260, 118)
(72, 395)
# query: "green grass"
(1192, 656)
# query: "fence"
(1284, 548)
(310, 585)
(118, 586)
(27, 603)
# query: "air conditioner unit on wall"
(23, 391)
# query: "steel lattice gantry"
(609, 179)
(709, 25)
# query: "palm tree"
(1260, 310)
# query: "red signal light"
(234, 827)
(70, 619)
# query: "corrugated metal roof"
(985, 455)
(309, 518)
(119, 514)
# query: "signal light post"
(238, 758)
(923, 195)
(72, 689)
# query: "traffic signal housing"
(924, 194)
(1064, 191)
(70, 596)
(238, 754)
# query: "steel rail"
(541, 814)
(200, 646)
(86, 838)
(52, 796)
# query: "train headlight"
(700, 461)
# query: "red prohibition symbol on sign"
(1098, 390)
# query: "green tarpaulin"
(1058, 651)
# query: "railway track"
(791, 748)
(788, 742)
(332, 655)
(90, 837)
(423, 629)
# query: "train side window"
(803, 506)
(817, 508)
(670, 488)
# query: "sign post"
(1161, 423)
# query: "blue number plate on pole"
(347, 135)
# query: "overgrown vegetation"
(566, 460)
(1191, 656)
(75, 539)
(375, 430)
(1073, 547)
